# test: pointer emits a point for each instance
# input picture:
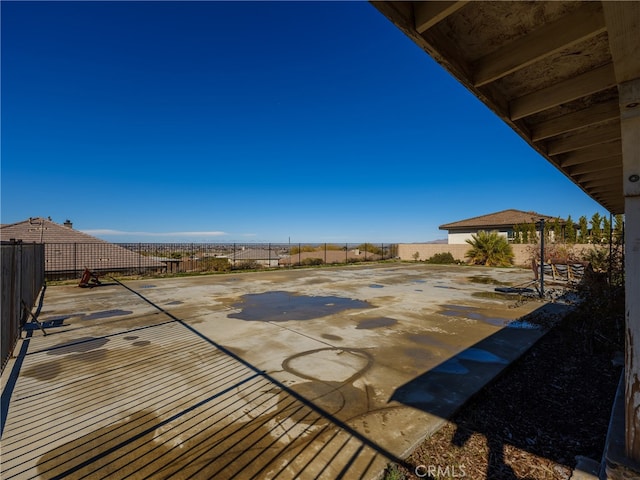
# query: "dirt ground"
(548, 407)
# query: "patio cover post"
(630, 126)
(622, 20)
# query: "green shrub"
(442, 259)
(216, 264)
(248, 265)
(307, 262)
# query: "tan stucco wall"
(522, 253)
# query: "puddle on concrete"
(141, 343)
(446, 286)
(106, 314)
(419, 281)
(131, 337)
(376, 323)
(281, 306)
(417, 290)
(148, 286)
(175, 302)
(468, 312)
(376, 285)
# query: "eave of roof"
(549, 69)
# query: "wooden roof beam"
(590, 154)
(579, 86)
(596, 165)
(575, 121)
(615, 172)
(584, 139)
(582, 24)
(603, 182)
(427, 14)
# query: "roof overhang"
(551, 70)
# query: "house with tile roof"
(69, 251)
(503, 222)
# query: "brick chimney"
(67, 223)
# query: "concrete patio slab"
(317, 373)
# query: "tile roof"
(67, 249)
(41, 230)
(505, 218)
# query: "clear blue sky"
(249, 122)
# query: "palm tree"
(490, 249)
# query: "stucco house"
(503, 222)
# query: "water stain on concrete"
(342, 365)
(468, 312)
(92, 356)
(328, 336)
(106, 314)
(78, 345)
(493, 295)
(370, 323)
(141, 343)
(417, 354)
(131, 337)
(175, 302)
(423, 339)
(81, 451)
(376, 285)
(483, 279)
(279, 306)
(342, 400)
(47, 372)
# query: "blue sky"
(249, 122)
